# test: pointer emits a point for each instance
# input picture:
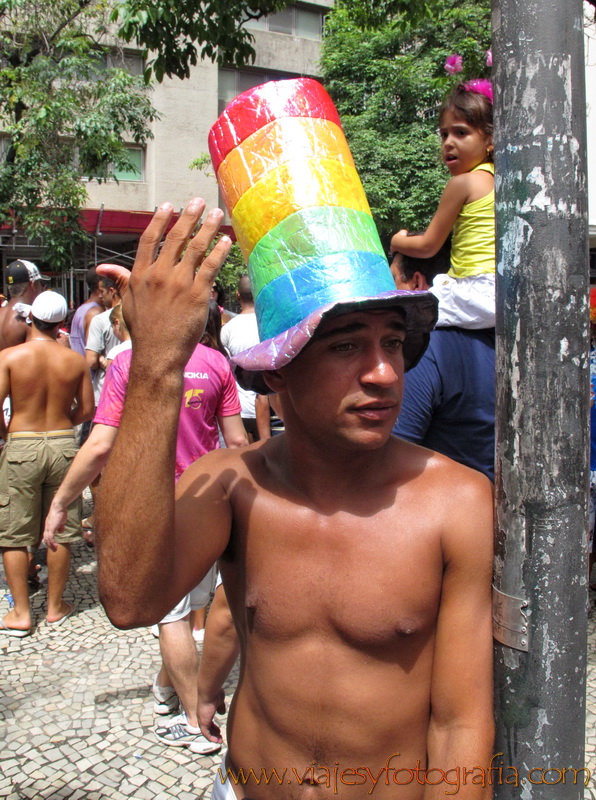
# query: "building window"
(293, 21)
(128, 60)
(135, 171)
(232, 82)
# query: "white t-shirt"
(100, 339)
(239, 334)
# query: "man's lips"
(378, 411)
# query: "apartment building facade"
(287, 44)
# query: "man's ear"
(274, 380)
(420, 282)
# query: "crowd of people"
(355, 549)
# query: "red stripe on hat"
(251, 110)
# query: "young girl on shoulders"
(466, 293)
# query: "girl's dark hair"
(221, 293)
(211, 337)
(474, 108)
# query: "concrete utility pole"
(542, 399)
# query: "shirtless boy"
(357, 566)
(43, 379)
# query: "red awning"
(102, 220)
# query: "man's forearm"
(87, 464)
(220, 649)
(459, 751)
(92, 359)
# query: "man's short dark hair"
(429, 267)
(245, 289)
(43, 326)
(108, 283)
(92, 279)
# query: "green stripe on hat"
(307, 235)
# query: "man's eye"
(395, 344)
(342, 347)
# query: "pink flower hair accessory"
(454, 63)
(480, 86)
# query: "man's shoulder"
(90, 311)
(100, 321)
(228, 467)
(240, 324)
(472, 349)
(13, 328)
(57, 357)
(454, 339)
(437, 472)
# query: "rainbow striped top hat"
(302, 220)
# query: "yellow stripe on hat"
(277, 143)
(291, 187)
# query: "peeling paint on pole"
(542, 393)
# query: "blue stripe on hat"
(291, 297)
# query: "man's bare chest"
(370, 579)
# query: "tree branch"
(82, 6)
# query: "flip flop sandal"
(4, 629)
(62, 619)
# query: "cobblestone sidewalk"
(76, 709)
(76, 717)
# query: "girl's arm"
(429, 243)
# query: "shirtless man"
(43, 379)
(357, 566)
(24, 283)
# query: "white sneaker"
(198, 635)
(166, 699)
(180, 734)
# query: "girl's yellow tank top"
(473, 241)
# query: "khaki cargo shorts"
(32, 467)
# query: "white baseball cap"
(49, 307)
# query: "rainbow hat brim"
(418, 308)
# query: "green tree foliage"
(232, 269)
(180, 33)
(388, 83)
(64, 115)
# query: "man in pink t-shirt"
(209, 400)
(209, 396)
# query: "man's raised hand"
(167, 300)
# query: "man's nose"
(380, 369)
